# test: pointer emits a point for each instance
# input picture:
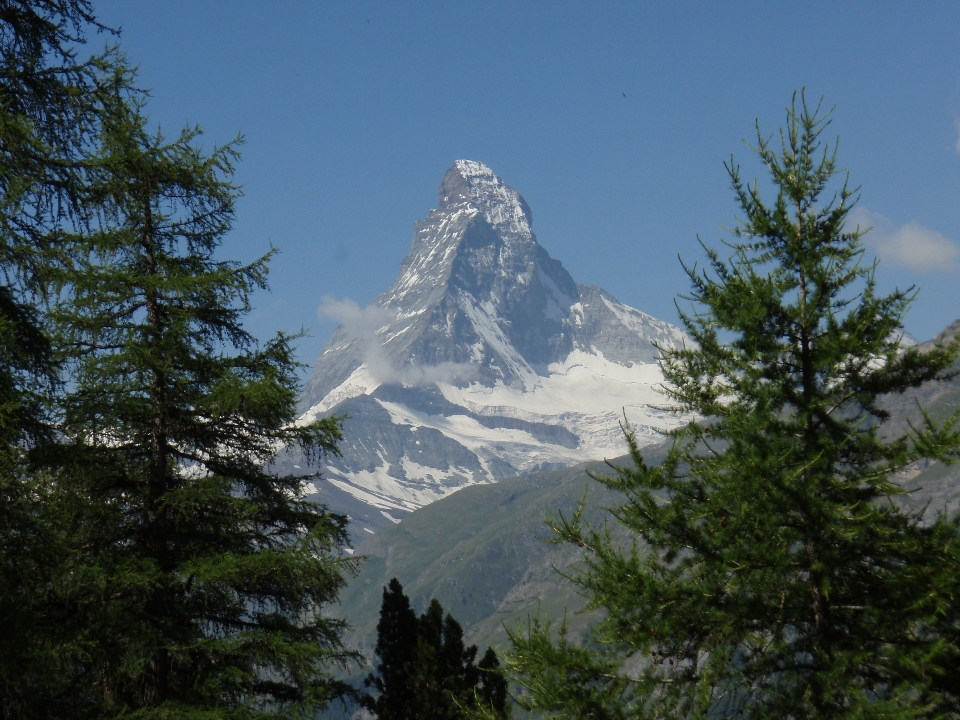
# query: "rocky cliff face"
(483, 360)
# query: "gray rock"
(479, 304)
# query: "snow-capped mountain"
(483, 360)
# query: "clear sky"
(612, 119)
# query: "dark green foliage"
(773, 573)
(424, 670)
(150, 565)
(397, 652)
(42, 121)
(199, 582)
(47, 112)
(46, 115)
(492, 689)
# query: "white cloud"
(912, 245)
(360, 323)
(364, 324)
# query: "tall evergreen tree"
(773, 573)
(492, 689)
(445, 671)
(396, 649)
(47, 115)
(424, 669)
(201, 579)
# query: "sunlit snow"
(517, 415)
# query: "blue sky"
(612, 119)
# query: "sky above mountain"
(613, 120)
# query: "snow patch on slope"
(383, 491)
(519, 447)
(586, 394)
(640, 323)
(558, 302)
(360, 382)
(585, 382)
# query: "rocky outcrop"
(483, 360)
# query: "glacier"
(483, 360)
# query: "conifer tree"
(200, 579)
(424, 669)
(773, 575)
(492, 690)
(47, 114)
(396, 649)
(445, 670)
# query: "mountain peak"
(472, 183)
(484, 359)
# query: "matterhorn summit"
(482, 361)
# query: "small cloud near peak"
(911, 245)
(365, 324)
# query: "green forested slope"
(482, 552)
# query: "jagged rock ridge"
(483, 360)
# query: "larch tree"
(773, 572)
(47, 116)
(201, 582)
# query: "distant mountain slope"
(936, 397)
(931, 485)
(482, 361)
(482, 551)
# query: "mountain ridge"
(483, 360)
